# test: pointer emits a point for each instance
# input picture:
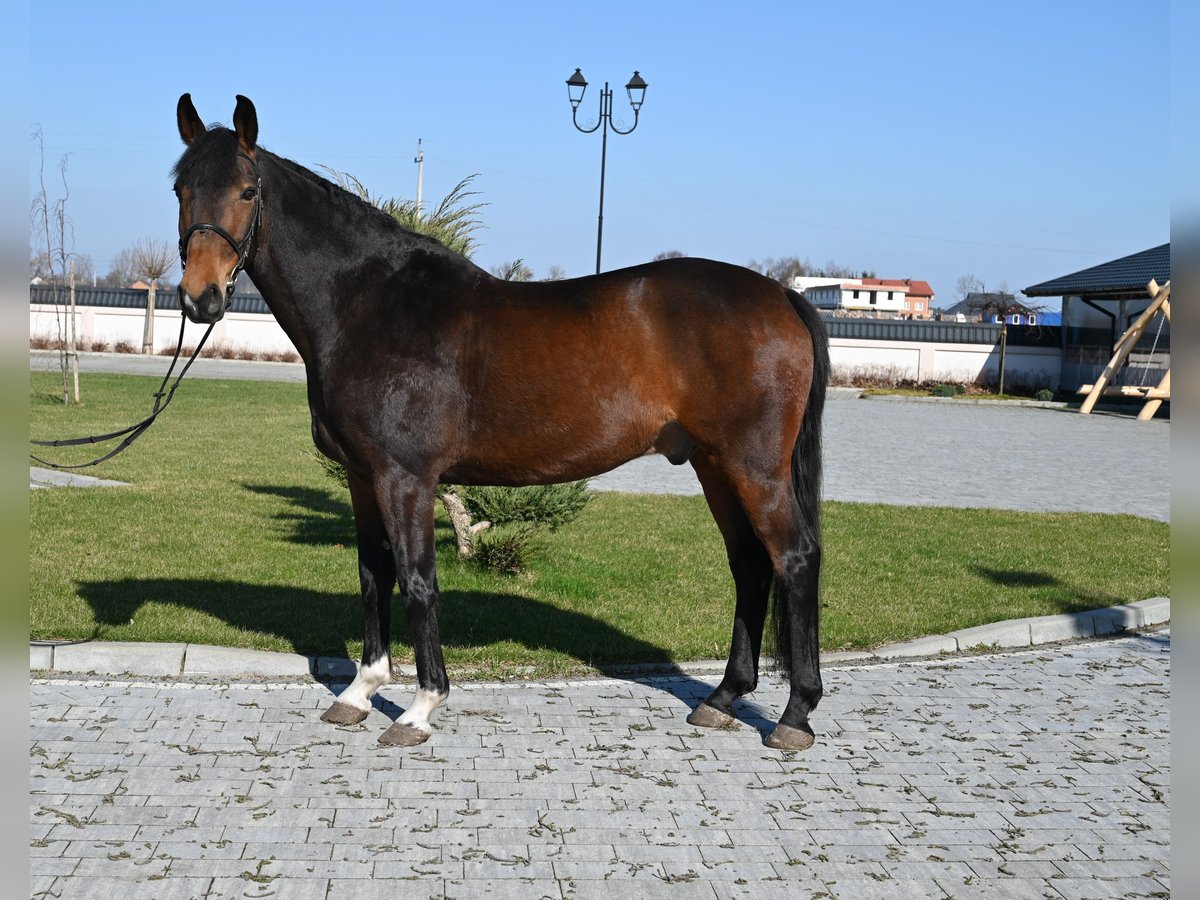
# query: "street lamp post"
(636, 89)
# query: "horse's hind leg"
(376, 575)
(791, 535)
(751, 568)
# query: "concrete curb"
(970, 401)
(183, 660)
(44, 478)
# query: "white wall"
(920, 361)
(236, 331)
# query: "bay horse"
(424, 369)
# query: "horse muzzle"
(209, 307)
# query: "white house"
(853, 295)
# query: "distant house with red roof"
(918, 299)
(902, 298)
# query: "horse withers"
(423, 368)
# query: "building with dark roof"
(1098, 305)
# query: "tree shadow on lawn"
(321, 623)
(1070, 599)
(314, 517)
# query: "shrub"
(334, 470)
(947, 390)
(1044, 394)
(552, 505)
(508, 551)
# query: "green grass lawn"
(231, 534)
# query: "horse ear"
(245, 123)
(190, 124)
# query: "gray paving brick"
(291, 888)
(894, 797)
(647, 888)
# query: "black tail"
(806, 472)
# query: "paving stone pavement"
(998, 456)
(1036, 773)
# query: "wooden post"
(72, 340)
(1003, 350)
(148, 331)
(1154, 403)
(1161, 300)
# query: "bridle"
(243, 247)
(164, 395)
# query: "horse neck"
(312, 242)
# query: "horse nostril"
(187, 304)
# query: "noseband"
(243, 247)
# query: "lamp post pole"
(636, 89)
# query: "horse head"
(220, 205)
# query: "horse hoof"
(705, 716)
(403, 736)
(785, 737)
(343, 714)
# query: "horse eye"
(248, 194)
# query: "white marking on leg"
(420, 711)
(369, 679)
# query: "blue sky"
(922, 140)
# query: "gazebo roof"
(1124, 277)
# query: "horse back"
(587, 373)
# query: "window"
(918, 306)
(906, 304)
(872, 298)
(856, 295)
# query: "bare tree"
(120, 270)
(50, 229)
(968, 284)
(556, 273)
(834, 269)
(785, 268)
(669, 254)
(998, 304)
(152, 260)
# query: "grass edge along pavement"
(185, 660)
(232, 536)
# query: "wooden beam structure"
(1160, 298)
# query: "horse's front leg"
(376, 575)
(407, 504)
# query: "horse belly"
(548, 452)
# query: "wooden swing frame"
(1160, 300)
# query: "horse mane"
(210, 161)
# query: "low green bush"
(551, 505)
(947, 390)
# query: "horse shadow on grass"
(328, 623)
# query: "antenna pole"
(420, 161)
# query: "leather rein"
(164, 395)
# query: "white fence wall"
(921, 361)
(236, 331)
